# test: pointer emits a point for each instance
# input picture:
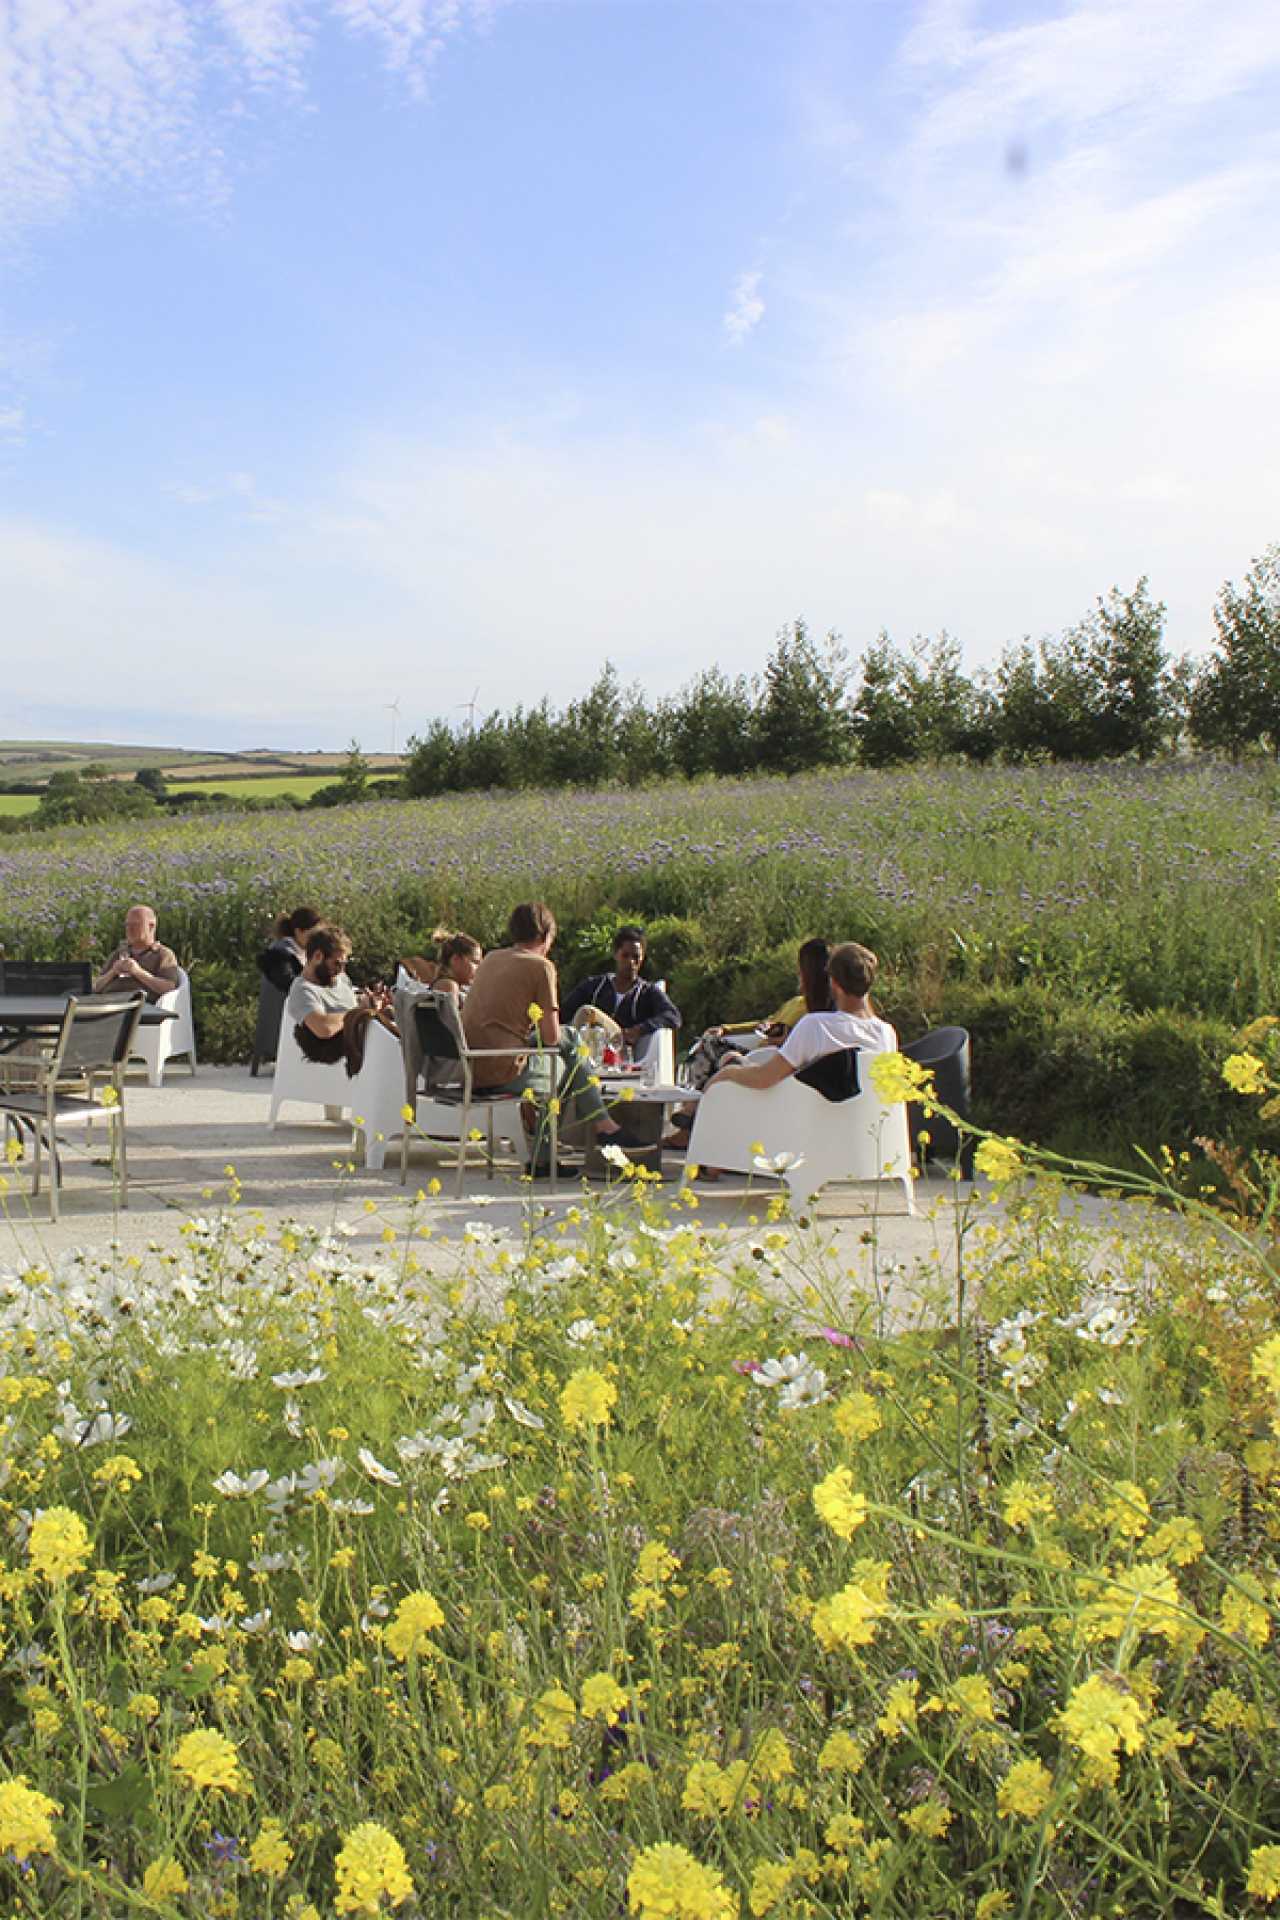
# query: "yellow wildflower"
(164, 1878)
(58, 1543)
(900, 1710)
(119, 1473)
(1244, 1611)
(602, 1697)
(769, 1884)
(208, 1759)
(667, 1883)
(1024, 1504)
(371, 1867)
(1128, 1512)
(772, 1757)
(1264, 1873)
(841, 1753)
(1025, 1790)
(998, 1161)
(417, 1616)
(1179, 1540)
(1265, 1365)
(1100, 1719)
(842, 1509)
(26, 1818)
(270, 1853)
(896, 1077)
(848, 1619)
(586, 1399)
(857, 1417)
(1245, 1073)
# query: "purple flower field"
(1151, 886)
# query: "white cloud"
(127, 91)
(745, 310)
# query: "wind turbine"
(469, 708)
(393, 708)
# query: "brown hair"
(331, 942)
(450, 945)
(531, 922)
(854, 968)
(301, 920)
(815, 977)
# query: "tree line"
(1105, 689)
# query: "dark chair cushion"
(834, 1076)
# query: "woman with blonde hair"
(458, 956)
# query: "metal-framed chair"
(93, 1042)
(442, 1037)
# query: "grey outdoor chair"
(93, 1042)
(946, 1052)
(441, 1035)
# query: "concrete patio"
(185, 1137)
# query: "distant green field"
(12, 803)
(302, 786)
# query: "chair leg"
(254, 1064)
(464, 1129)
(492, 1150)
(119, 1153)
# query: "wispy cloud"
(129, 91)
(745, 310)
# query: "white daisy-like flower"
(615, 1155)
(232, 1487)
(256, 1622)
(777, 1163)
(375, 1469)
(581, 1331)
(303, 1642)
(522, 1415)
(298, 1378)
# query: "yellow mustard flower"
(26, 1819)
(1245, 1073)
(208, 1759)
(999, 1161)
(1025, 1790)
(270, 1853)
(602, 1697)
(587, 1398)
(164, 1878)
(667, 1883)
(370, 1868)
(1264, 1873)
(58, 1544)
(417, 1617)
(838, 1505)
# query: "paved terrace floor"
(183, 1137)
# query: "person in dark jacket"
(283, 960)
(637, 1006)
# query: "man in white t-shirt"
(322, 996)
(855, 1023)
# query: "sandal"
(677, 1140)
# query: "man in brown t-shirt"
(140, 961)
(496, 1013)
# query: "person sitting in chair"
(513, 1004)
(854, 1023)
(633, 1007)
(283, 959)
(140, 963)
(322, 1001)
(454, 968)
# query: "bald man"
(141, 961)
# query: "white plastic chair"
(858, 1139)
(156, 1046)
(374, 1096)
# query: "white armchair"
(156, 1046)
(374, 1096)
(858, 1139)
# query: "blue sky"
(355, 349)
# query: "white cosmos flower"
(232, 1487)
(298, 1378)
(376, 1471)
(97, 1430)
(350, 1508)
(808, 1389)
(318, 1474)
(522, 1415)
(580, 1331)
(615, 1155)
(156, 1583)
(777, 1163)
(271, 1563)
(302, 1642)
(293, 1419)
(256, 1622)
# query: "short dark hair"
(854, 968)
(531, 922)
(624, 934)
(331, 942)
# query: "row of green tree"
(1105, 689)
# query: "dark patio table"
(22, 1014)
